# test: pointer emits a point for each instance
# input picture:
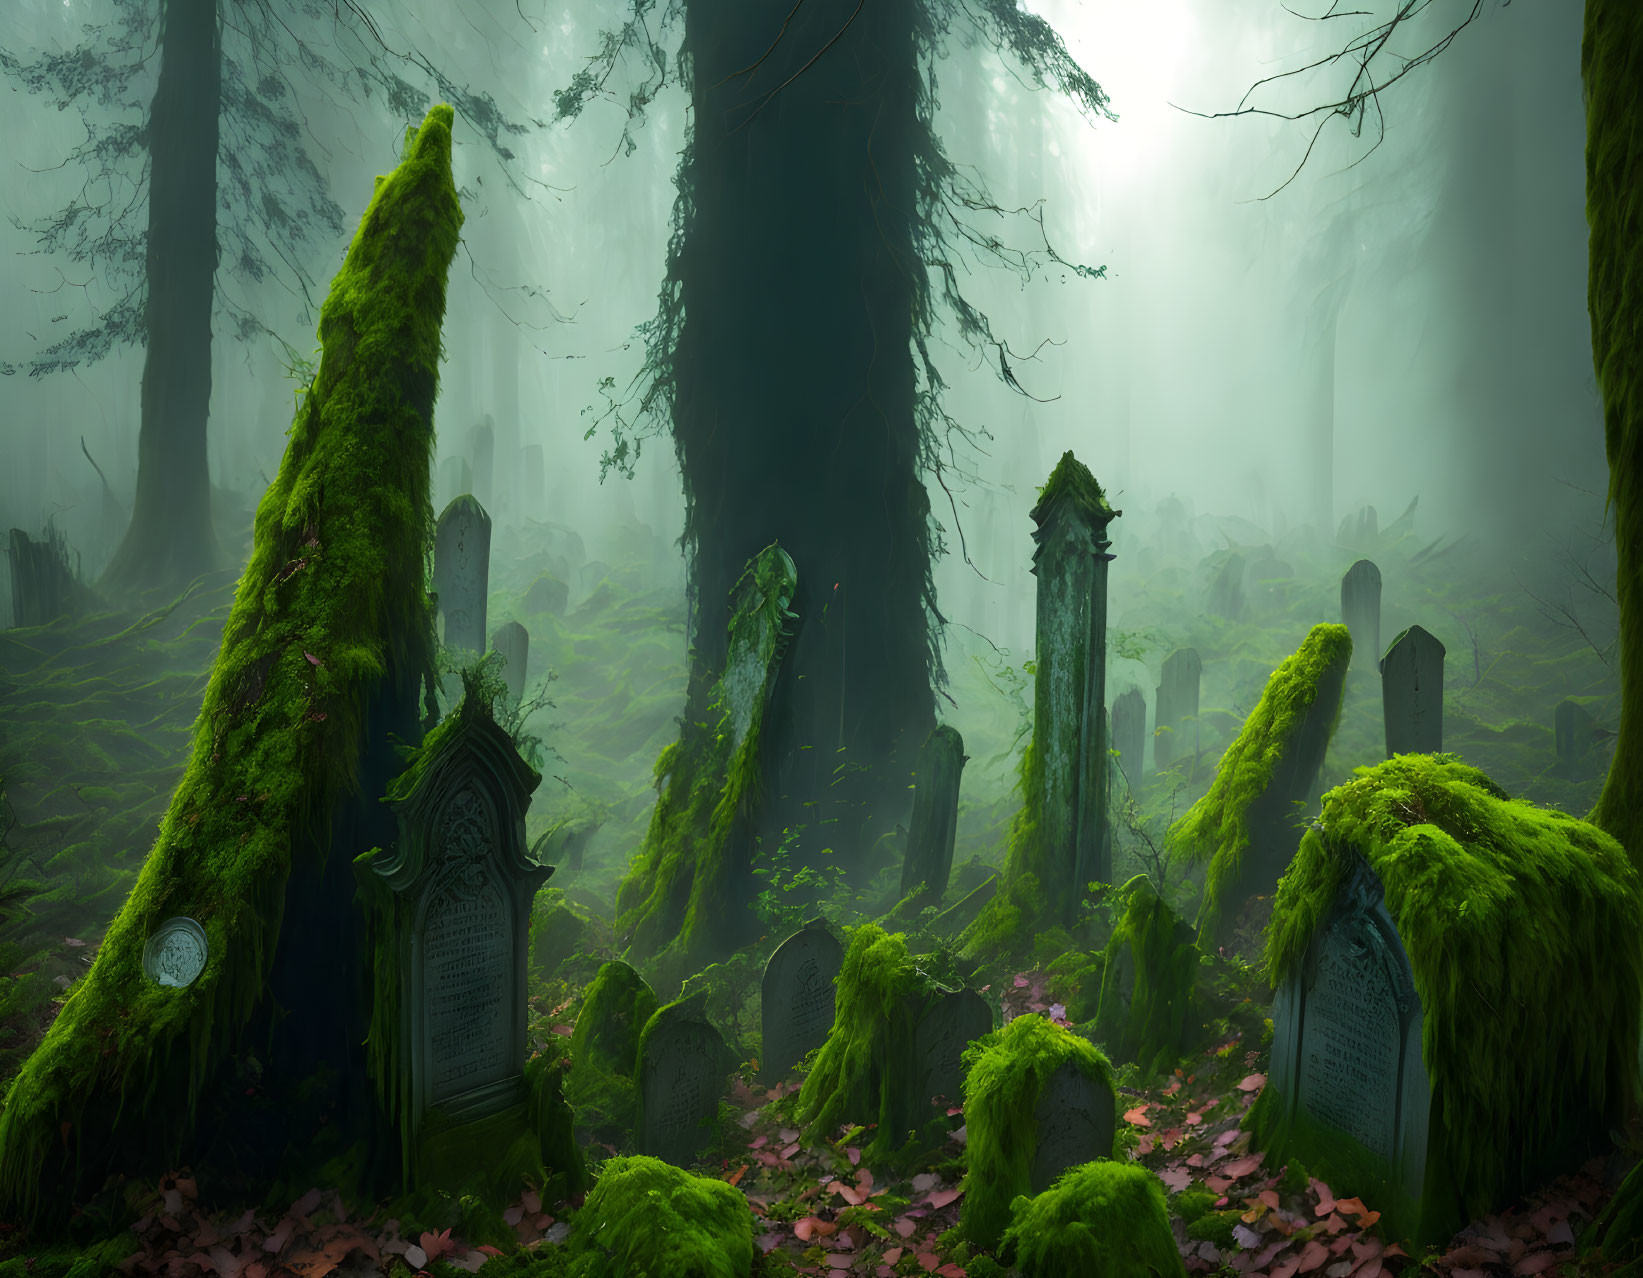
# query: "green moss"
(1217, 828)
(1101, 1220)
(1521, 926)
(645, 1219)
(1071, 481)
(1004, 1075)
(1153, 1027)
(1194, 1201)
(1215, 1227)
(604, 1049)
(331, 613)
(559, 928)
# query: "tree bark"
(170, 539)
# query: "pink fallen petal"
(942, 1197)
(894, 1254)
(853, 1154)
(1240, 1167)
(1535, 1262)
(1254, 1083)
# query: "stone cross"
(682, 1070)
(796, 998)
(1070, 563)
(462, 566)
(1129, 732)
(512, 642)
(1361, 612)
(1176, 708)
(1412, 694)
(934, 823)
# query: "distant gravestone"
(1573, 729)
(682, 1069)
(462, 566)
(796, 998)
(533, 481)
(1412, 693)
(1361, 611)
(1226, 591)
(1129, 732)
(482, 451)
(934, 823)
(1346, 1048)
(1074, 1119)
(548, 594)
(1175, 713)
(459, 887)
(512, 642)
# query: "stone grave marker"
(1176, 707)
(1226, 592)
(1361, 611)
(512, 642)
(1129, 733)
(1074, 1117)
(459, 887)
(955, 1020)
(796, 998)
(682, 1069)
(462, 566)
(482, 452)
(1412, 693)
(934, 823)
(1573, 729)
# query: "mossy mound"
(1521, 925)
(329, 633)
(1005, 1072)
(645, 1219)
(1101, 1220)
(604, 1050)
(1271, 763)
(1148, 979)
(560, 928)
(1072, 482)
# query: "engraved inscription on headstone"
(681, 1081)
(796, 998)
(1074, 1117)
(175, 955)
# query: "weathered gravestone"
(482, 450)
(1175, 709)
(456, 917)
(934, 823)
(1074, 1118)
(1129, 732)
(462, 568)
(951, 1022)
(1573, 730)
(1361, 611)
(1412, 694)
(683, 1061)
(1226, 591)
(796, 998)
(512, 642)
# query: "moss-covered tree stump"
(604, 1052)
(647, 1218)
(1101, 1220)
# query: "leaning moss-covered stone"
(1521, 925)
(1101, 1220)
(1005, 1073)
(647, 1218)
(604, 1050)
(330, 623)
(1148, 980)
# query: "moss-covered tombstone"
(560, 929)
(604, 1052)
(1038, 1099)
(684, 902)
(322, 660)
(1459, 980)
(1245, 826)
(1101, 1220)
(1147, 1009)
(683, 1065)
(646, 1219)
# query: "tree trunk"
(795, 415)
(1611, 66)
(170, 539)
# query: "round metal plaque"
(175, 954)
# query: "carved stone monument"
(1129, 733)
(683, 1062)
(1361, 611)
(1074, 1117)
(1412, 693)
(1175, 709)
(934, 823)
(462, 567)
(796, 998)
(459, 886)
(512, 642)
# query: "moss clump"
(1270, 766)
(1521, 926)
(1194, 1201)
(1214, 1227)
(1101, 1220)
(645, 1219)
(1072, 482)
(559, 928)
(1005, 1072)
(331, 619)
(1151, 947)
(604, 1050)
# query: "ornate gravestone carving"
(796, 998)
(1074, 1117)
(456, 915)
(1346, 1049)
(175, 955)
(681, 1078)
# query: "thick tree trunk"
(170, 539)
(795, 416)
(1611, 66)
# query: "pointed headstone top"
(1072, 487)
